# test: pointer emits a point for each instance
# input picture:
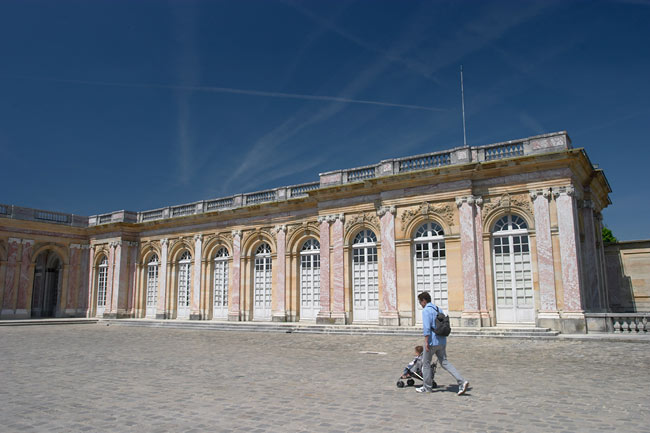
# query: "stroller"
(415, 372)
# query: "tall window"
(184, 265)
(512, 270)
(431, 264)
(101, 282)
(310, 279)
(221, 279)
(365, 276)
(152, 281)
(262, 289)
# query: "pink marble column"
(73, 279)
(123, 286)
(133, 278)
(590, 262)
(279, 291)
(338, 269)
(110, 280)
(388, 313)
(84, 280)
(26, 279)
(545, 267)
(11, 278)
(91, 273)
(235, 284)
(468, 245)
(324, 312)
(161, 308)
(480, 262)
(195, 311)
(569, 248)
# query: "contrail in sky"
(251, 93)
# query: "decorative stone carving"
(310, 227)
(235, 233)
(363, 219)
(470, 199)
(198, 237)
(443, 211)
(534, 193)
(280, 228)
(164, 242)
(384, 209)
(506, 201)
(568, 190)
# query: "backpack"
(443, 328)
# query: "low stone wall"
(628, 276)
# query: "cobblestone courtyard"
(118, 378)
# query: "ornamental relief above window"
(365, 219)
(444, 211)
(507, 202)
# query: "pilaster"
(234, 312)
(324, 314)
(161, 308)
(26, 280)
(338, 315)
(12, 275)
(548, 316)
(90, 268)
(573, 319)
(469, 245)
(590, 264)
(195, 305)
(388, 313)
(279, 313)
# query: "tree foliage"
(608, 236)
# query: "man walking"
(435, 344)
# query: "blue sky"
(108, 105)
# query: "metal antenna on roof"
(462, 101)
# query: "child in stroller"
(413, 370)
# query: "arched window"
(102, 276)
(184, 277)
(262, 286)
(365, 279)
(513, 281)
(309, 279)
(152, 284)
(430, 265)
(220, 302)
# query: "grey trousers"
(441, 353)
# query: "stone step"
(523, 332)
(56, 321)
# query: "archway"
(47, 283)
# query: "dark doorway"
(45, 293)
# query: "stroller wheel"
(434, 384)
(410, 382)
(400, 384)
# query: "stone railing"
(362, 173)
(619, 323)
(424, 162)
(29, 214)
(260, 197)
(183, 210)
(302, 190)
(546, 143)
(219, 204)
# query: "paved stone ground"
(78, 378)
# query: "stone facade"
(628, 276)
(502, 234)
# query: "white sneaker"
(462, 388)
(421, 389)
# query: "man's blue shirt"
(429, 313)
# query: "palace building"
(500, 234)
